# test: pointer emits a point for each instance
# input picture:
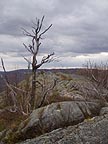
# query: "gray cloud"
(79, 26)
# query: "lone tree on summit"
(33, 49)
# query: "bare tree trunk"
(33, 91)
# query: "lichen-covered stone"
(92, 131)
(104, 111)
(56, 115)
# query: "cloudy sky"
(79, 32)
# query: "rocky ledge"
(69, 122)
(91, 131)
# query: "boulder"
(92, 131)
(56, 115)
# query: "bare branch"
(44, 60)
(47, 58)
(45, 31)
(29, 62)
(13, 93)
(4, 70)
(41, 24)
(25, 32)
(28, 49)
(46, 92)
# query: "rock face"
(104, 111)
(52, 117)
(57, 115)
(93, 131)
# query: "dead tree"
(33, 49)
(98, 74)
(12, 92)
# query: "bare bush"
(98, 75)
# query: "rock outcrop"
(52, 117)
(92, 131)
(57, 115)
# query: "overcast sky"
(79, 32)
